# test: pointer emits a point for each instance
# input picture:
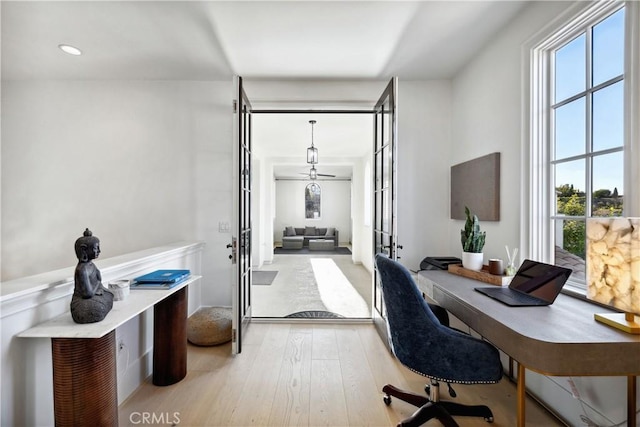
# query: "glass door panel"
(384, 182)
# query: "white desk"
(84, 355)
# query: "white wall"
(335, 207)
(361, 208)
(263, 211)
(141, 163)
(487, 116)
(424, 146)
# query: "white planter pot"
(472, 260)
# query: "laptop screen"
(540, 280)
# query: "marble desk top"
(135, 303)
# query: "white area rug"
(335, 282)
(336, 291)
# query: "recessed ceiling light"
(70, 49)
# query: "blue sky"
(607, 125)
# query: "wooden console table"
(562, 339)
(84, 355)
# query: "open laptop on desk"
(535, 283)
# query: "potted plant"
(472, 242)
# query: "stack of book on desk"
(160, 279)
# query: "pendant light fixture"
(312, 152)
(313, 173)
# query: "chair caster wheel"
(386, 399)
(489, 419)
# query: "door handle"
(233, 245)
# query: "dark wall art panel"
(476, 184)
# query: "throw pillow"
(290, 231)
(330, 231)
(310, 231)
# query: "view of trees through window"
(571, 202)
(587, 130)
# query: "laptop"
(534, 284)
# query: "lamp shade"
(312, 152)
(312, 155)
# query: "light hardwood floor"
(303, 374)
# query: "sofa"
(298, 237)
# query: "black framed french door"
(241, 241)
(384, 193)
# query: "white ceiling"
(213, 40)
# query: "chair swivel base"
(442, 410)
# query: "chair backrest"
(424, 345)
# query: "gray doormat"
(314, 314)
(264, 277)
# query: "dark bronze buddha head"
(87, 247)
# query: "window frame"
(307, 190)
(538, 189)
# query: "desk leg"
(85, 391)
(631, 401)
(522, 395)
(510, 368)
(170, 339)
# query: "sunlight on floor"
(336, 292)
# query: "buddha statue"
(91, 301)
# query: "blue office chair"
(426, 346)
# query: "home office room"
(127, 156)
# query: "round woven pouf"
(209, 326)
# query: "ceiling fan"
(313, 173)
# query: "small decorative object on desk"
(511, 269)
(472, 242)
(120, 289)
(91, 301)
(483, 275)
(160, 279)
(495, 267)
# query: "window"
(586, 159)
(312, 201)
(578, 132)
